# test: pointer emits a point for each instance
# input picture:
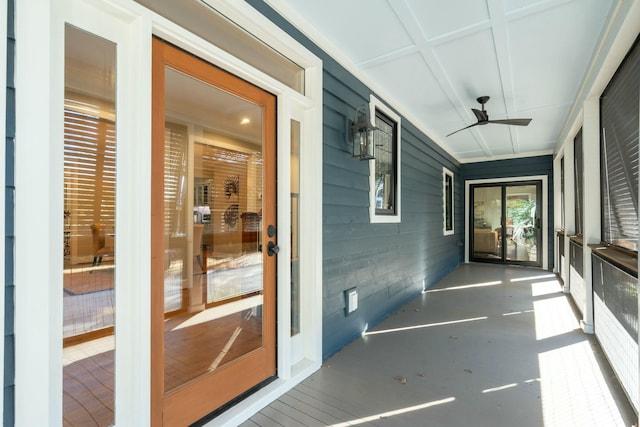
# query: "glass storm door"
(506, 223)
(213, 213)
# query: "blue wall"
(528, 166)
(387, 263)
(9, 356)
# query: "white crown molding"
(508, 157)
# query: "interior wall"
(388, 264)
(522, 167)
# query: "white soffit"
(431, 59)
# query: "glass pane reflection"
(487, 217)
(89, 229)
(213, 223)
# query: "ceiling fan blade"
(470, 126)
(482, 116)
(513, 122)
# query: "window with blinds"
(619, 119)
(89, 174)
(578, 183)
(176, 140)
(232, 180)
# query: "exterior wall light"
(362, 132)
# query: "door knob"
(272, 249)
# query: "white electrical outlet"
(352, 300)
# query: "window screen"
(579, 174)
(562, 193)
(385, 161)
(619, 118)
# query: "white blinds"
(89, 175)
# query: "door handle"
(272, 249)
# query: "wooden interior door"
(213, 211)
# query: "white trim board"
(376, 104)
(38, 299)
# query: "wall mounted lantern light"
(362, 133)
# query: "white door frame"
(39, 198)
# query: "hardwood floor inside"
(195, 344)
(88, 375)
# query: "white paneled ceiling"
(431, 59)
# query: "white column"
(591, 192)
(557, 209)
(39, 210)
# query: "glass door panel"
(89, 256)
(295, 230)
(521, 219)
(227, 216)
(487, 223)
(506, 223)
(201, 339)
(216, 328)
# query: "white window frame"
(377, 104)
(39, 313)
(3, 160)
(445, 173)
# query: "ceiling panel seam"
(407, 16)
(503, 57)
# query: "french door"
(213, 237)
(505, 223)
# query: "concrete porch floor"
(487, 346)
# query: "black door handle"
(272, 249)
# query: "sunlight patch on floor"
(502, 387)
(426, 325)
(529, 278)
(87, 349)
(220, 311)
(573, 390)
(388, 414)
(553, 316)
(457, 288)
(511, 313)
(545, 288)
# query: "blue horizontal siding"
(9, 335)
(522, 167)
(387, 263)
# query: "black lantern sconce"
(362, 134)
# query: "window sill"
(625, 260)
(577, 239)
